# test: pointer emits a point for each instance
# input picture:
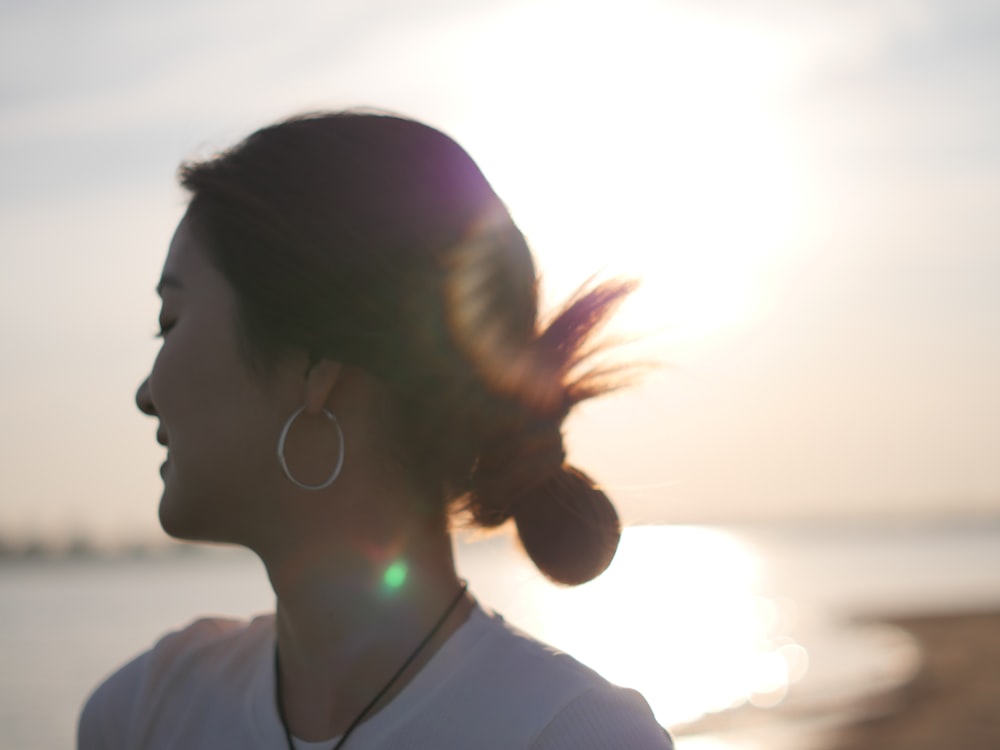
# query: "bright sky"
(809, 190)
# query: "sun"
(641, 142)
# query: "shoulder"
(184, 663)
(211, 644)
(206, 646)
(516, 652)
(520, 665)
(604, 718)
(509, 685)
(575, 708)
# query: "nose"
(144, 400)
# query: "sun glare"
(689, 592)
(640, 141)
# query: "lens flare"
(395, 575)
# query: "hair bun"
(568, 527)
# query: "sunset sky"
(809, 191)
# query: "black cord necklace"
(392, 680)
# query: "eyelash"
(164, 330)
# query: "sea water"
(700, 619)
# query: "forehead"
(187, 267)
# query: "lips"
(161, 438)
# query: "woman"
(351, 357)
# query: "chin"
(178, 521)
(184, 518)
(174, 523)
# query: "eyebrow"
(168, 281)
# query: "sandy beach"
(952, 701)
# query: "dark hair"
(376, 241)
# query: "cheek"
(222, 464)
(189, 377)
(221, 425)
(159, 379)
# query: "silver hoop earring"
(284, 464)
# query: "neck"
(345, 627)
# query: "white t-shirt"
(489, 687)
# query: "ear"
(320, 382)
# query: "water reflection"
(676, 616)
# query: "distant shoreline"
(76, 544)
(83, 549)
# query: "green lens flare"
(395, 575)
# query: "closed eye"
(164, 330)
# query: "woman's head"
(376, 242)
